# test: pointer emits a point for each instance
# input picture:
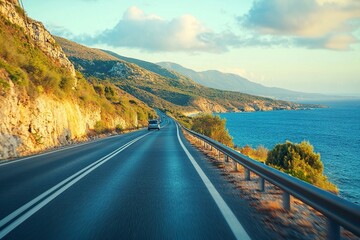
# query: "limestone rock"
(28, 126)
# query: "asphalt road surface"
(140, 185)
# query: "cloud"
(60, 31)
(150, 32)
(311, 23)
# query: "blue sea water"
(334, 132)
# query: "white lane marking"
(41, 154)
(41, 196)
(7, 162)
(229, 216)
(57, 190)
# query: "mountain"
(146, 65)
(161, 89)
(44, 102)
(233, 82)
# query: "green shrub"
(66, 83)
(16, 74)
(4, 86)
(142, 117)
(213, 127)
(119, 128)
(110, 93)
(300, 161)
(99, 89)
(100, 127)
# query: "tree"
(300, 161)
(213, 127)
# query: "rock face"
(12, 11)
(29, 126)
(208, 106)
(32, 124)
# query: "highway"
(139, 185)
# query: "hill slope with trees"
(160, 89)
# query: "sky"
(308, 45)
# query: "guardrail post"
(262, 184)
(333, 230)
(286, 201)
(226, 158)
(219, 155)
(247, 174)
(235, 166)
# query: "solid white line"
(39, 155)
(229, 216)
(61, 187)
(43, 195)
(7, 162)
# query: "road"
(140, 185)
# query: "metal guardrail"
(338, 211)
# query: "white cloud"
(329, 22)
(150, 32)
(59, 31)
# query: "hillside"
(154, 86)
(146, 65)
(44, 101)
(233, 82)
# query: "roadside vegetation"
(297, 159)
(213, 127)
(300, 160)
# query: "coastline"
(334, 132)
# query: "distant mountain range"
(233, 82)
(163, 88)
(225, 81)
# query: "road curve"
(141, 185)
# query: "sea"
(334, 132)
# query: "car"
(154, 124)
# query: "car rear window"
(153, 122)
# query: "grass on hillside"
(33, 74)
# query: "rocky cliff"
(32, 125)
(37, 110)
(29, 126)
